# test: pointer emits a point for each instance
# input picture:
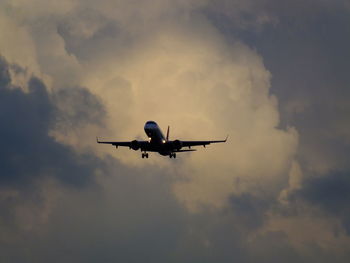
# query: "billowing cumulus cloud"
(76, 69)
(183, 68)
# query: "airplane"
(158, 143)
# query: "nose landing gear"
(172, 155)
(144, 155)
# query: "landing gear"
(172, 155)
(144, 155)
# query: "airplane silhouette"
(158, 143)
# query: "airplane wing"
(197, 143)
(125, 144)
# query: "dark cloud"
(131, 218)
(254, 16)
(27, 151)
(304, 44)
(309, 60)
(88, 30)
(282, 251)
(29, 156)
(306, 50)
(331, 193)
(76, 108)
(250, 210)
(5, 79)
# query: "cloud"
(188, 72)
(255, 16)
(206, 69)
(182, 70)
(330, 193)
(306, 53)
(32, 160)
(28, 151)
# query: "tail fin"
(167, 134)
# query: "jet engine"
(177, 144)
(135, 145)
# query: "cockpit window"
(151, 122)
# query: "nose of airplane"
(151, 125)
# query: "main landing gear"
(172, 155)
(144, 155)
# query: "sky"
(274, 75)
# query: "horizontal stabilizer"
(192, 150)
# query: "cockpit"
(151, 122)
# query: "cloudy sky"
(272, 74)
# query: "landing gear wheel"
(172, 155)
(146, 154)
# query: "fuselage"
(157, 141)
(154, 133)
